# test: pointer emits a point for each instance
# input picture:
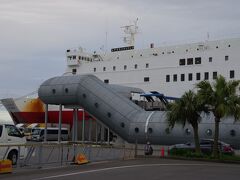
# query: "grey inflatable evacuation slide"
(117, 111)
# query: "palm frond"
(185, 110)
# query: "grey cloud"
(35, 34)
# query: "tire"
(13, 156)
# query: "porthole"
(233, 133)
(136, 130)
(122, 124)
(229, 45)
(96, 105)
(216, 47)
(84, 95)
(150, 130)
(54, 91)
(209, 132)
(66, 90)
(109, 114)
(187, 131)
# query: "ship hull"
(39, 117)
(32, 110)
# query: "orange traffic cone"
(81, 159)
(162, 152)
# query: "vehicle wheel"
(13, 156)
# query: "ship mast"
(130, 32)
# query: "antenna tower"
(130, 32)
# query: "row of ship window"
(198, 76)
(182, 62)
(201, 47)
(197, 60)
(188, 132)
(145, 79)
(124, 67)
(80, 58)
(209, 132)
(190, 77)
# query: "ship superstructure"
(171, 70)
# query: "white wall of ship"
(167, 64)
(4, 116)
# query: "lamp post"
(60, 124)
(46, 121)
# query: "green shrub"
(186, 153)
(180, 152)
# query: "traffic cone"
(162, 152)
(81, 159)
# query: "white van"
(52, 134)
(10, 135)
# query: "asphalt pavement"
(137, 169)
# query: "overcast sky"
(34, 34)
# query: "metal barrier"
(40, 155)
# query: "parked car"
(52, 134)
(12, 141)
(206, 146)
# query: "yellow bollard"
(5, 166)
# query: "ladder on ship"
(98, 57)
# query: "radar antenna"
(130, 32)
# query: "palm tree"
(220, 97)
(186, 110)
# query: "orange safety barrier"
(5, 166)
(81, 159)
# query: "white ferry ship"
(170, 70)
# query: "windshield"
(36, 132)
(27, 130)
(13, 131)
